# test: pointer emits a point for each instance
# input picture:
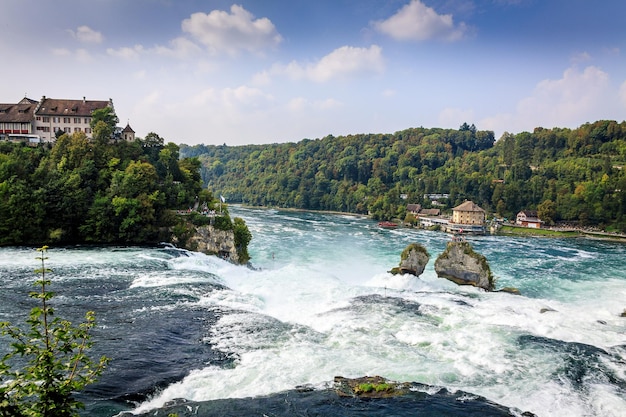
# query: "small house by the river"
(528, 218)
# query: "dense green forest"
(573, 175)
(83, 190)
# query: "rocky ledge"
(211, 241)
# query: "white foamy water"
(322, 304)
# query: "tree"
(56, 366)
(152, 140)
(107, 116)
(242, 238)
(546, 211)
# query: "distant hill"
(573, 175)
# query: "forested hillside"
(572, 175)
(82, 190)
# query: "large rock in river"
(413, 260)
(460, 264)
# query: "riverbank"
(511, 230)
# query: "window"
(88, 130)
(66, 120)
(46, 119)
(76, 120)
(77, 129)
(56, 120)
(38, 118)
(87, 120)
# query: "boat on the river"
(387, 225)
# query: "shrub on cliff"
(242, 238)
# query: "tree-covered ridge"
(567, 174)
(82, 190)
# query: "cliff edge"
(211, 241)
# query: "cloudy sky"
(264, 71)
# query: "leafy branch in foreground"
(50, 357)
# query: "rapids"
(319, 303)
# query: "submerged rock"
(371, 396)
(510, 290)
(460, 264)
(413, 260)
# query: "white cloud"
(62, 52)
(83, 55)
(566, 99)
(418, 22)
(244, 96)
(297, 104)
(178, 48)
(328, 104)
(232, 98)
(126, 52)
(301, 104)
(231, 32)
(576, 98)
(581, 57)
(85, 34)
(344, 61)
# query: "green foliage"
(223, 222)
(414, 247)
(197, 219)
(580, 170)
(242, 238)
(93, 191)
(103, 122)
(53, 354)
(367, 387)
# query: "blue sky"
(265, 71)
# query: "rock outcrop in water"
(211, 241)
(371, 396)
(413, 260)
(459, 263)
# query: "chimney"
(83, 99)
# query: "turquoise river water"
(319, 303)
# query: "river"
(319, 303)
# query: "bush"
(53, 355)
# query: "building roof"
(528, 213)
(430, 212)
(17, 113)
(27, 100)
(128, 129)
(414, 207)
(65, 107)
(468, 206)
